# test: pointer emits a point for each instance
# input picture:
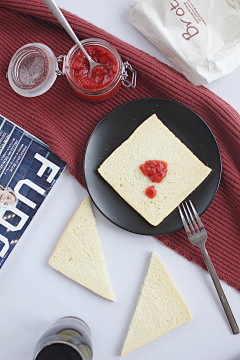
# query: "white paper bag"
(201, 38)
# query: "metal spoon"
(63, 21)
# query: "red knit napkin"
(64, 122)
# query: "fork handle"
(63, 21)
(220, 291)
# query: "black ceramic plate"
(116, 127)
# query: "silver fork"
(198, 236)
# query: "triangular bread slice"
(152, 140)
(160, 308)
(79, 256)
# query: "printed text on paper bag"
(190, 30)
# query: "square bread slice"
(160, 308)
(152, 140)
(79, 256)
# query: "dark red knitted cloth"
(64, 122)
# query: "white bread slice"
(79, 256)
(152, 140)
(160, 308)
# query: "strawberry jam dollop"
(156, 170)
(151, 192)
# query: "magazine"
(28, 171)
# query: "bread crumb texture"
(160, 308)
(79, 255)
(152, 140)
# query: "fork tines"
(190, 218)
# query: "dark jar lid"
(32, 70)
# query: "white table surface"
(33, 295)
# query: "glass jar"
(34, 68)
(104, 53)
(69, 338)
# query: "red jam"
(100, 78)
(156, 170)
(151, 192)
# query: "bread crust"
(78, 254)
(160, 308)
(152, 140)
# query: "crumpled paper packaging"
(201, 38)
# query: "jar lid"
(32, 70)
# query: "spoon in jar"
(63, 21)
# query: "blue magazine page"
(28, 171)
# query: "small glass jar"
(33, 69)
(90, 93)
(69, 338)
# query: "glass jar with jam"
(34, 68)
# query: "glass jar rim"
(95, 42)
(45, 82)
